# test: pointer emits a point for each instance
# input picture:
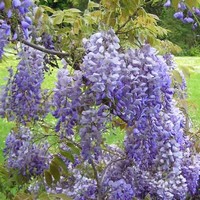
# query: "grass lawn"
(193, 85)
(113, 136)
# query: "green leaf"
(74, 10)
(186, 70)
(7, 4)
(58, 19)
(60, 196)
(67, 155)
(38, 14)
(55, 171)
(73, 148)
(23, 196)
(175, 4)
(192, 3)
(47, 8)
(61, 163)
(177, 76)
(92, 4)
(48, 178)
(147, 197)
(44, 196)
(4, 172)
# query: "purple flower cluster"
(92, 122)
(82, 186)
(19, 9)
(78, 187)
(73, 107)
(67, 101)
(121, 190)
(49, 59)
(21, 97)
(47, 41)
(136, 87)
(23, 155)
(119, 78)
(102, 64)
(185, 15)
(4, 33)
(157, 143)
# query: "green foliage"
(135, 22)
(193, 51)
(60, 4)
(12, 185)
(45, 196)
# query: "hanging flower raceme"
(19, 9)
(102, 64)
(92, 124)
(135, 86)
(67, 101)
(21, 97)
(23, 155)
(157, 143)
(4, 34)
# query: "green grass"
(193, 86)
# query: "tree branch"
(53, 52)
(97, 179)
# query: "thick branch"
(53, 52)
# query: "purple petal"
(27, 3)
(197, 11)
(28, 20)
(14, 36)
(16, 3)
(9, 13)
(188, 20)
(2, 5)
(25, 25)
(178, 15)
(168, 3)
(182, 6)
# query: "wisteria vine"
(134, 86)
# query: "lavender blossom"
(167, 3)
(21, 10)
(25, 156)
(16, 3)
(47, 41)
(2, 5)
(66, 101)
(135, 86)
(188, 20)
(179, 15)
(92, 125)
(21, 97)
(4, 33)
